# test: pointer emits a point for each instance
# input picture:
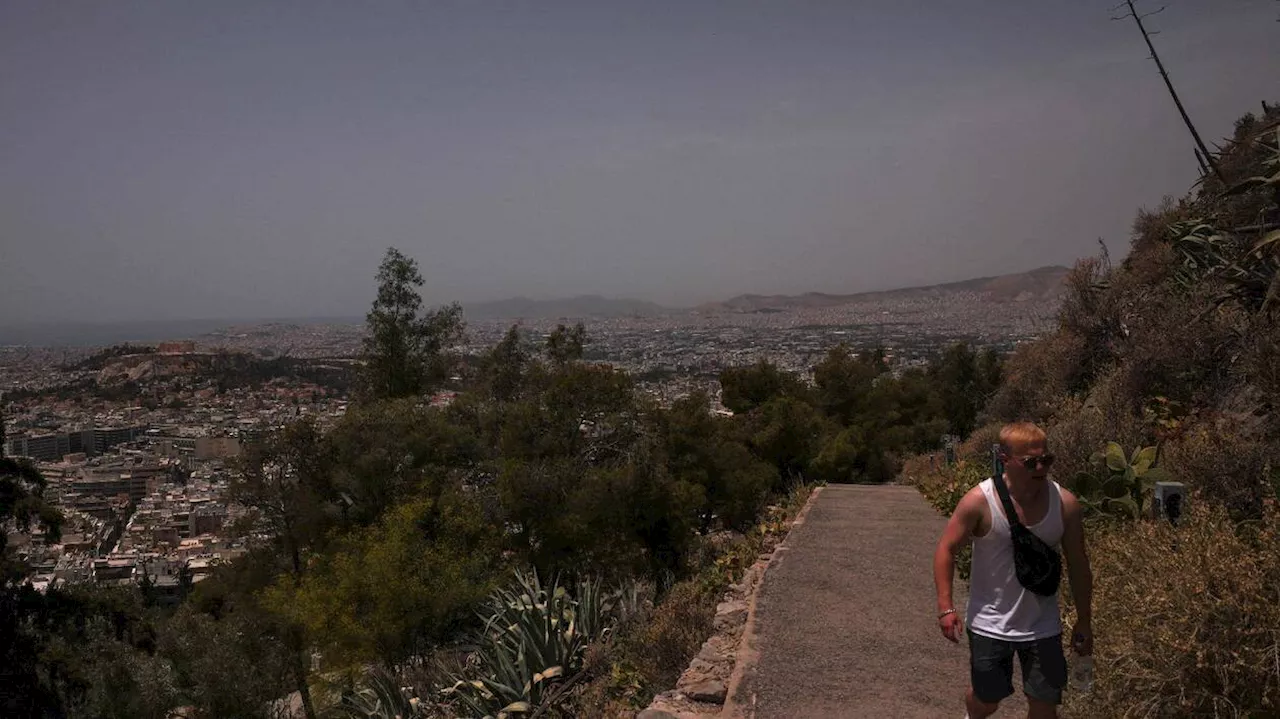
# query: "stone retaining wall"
(703, 687)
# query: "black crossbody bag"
(1037, 564)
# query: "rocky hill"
(1044, 283)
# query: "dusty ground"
(845, 620)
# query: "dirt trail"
(845, 620)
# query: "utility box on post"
(1168, 500)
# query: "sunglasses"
(1033, 462)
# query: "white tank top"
(1000, 607)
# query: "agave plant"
(533, 637)
(381, 697)
(1201, 248)
(1120, 484)
(1251, 274)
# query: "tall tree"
(565, 344)
(285, 479)
(505, 366)
(844, 382)
(406, 354)
(745, 388)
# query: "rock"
(655, 714)
(699, 668)
(729, 614)
(716, 649)
(711, 692)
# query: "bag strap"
(1010, 514)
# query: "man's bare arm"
(958, 533)
(1077, 556)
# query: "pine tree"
(405, 354)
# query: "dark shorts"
(1044, 668)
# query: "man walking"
(1003, 617)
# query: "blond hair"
(1022, 434)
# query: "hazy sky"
(245, 159)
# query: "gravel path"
(845, 618)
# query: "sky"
(181, 159)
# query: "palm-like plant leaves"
(1271, 163)
(533, 637)
(379, 698)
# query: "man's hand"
(951, 626)
(1082, 640)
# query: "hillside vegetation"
(551, 540)
(1167, 366)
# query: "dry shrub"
(919, 468)
(676, 631)
(1036, 377)
(1186, 619)
(1091, 312)
(1225, 466)
(647, 655)
(1243, 158)
(1151, 227)
(1082, 427)
(1153, 266)
(1177, 349)
(1262, 359)
(978, 444)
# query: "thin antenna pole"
(1204, 151)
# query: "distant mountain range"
(1038, 284)
(580, 307)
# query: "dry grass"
(1186, 619)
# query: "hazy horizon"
(182, 160)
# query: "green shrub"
(397, 588)
(1119, 485)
